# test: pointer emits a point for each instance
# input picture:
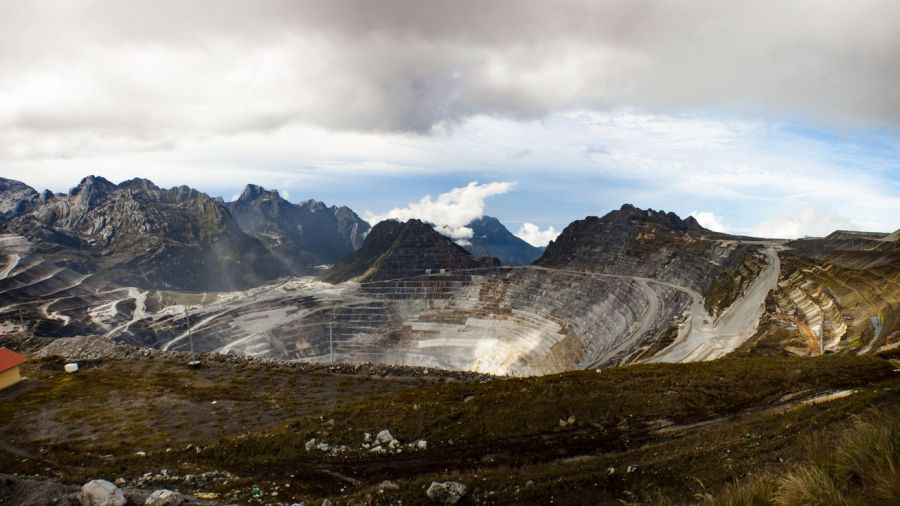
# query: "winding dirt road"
(702, 338)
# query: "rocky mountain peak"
(254, 191)
(645, 243)
(313, 205)
(138, 184)
(491, 238)
(635, 215)
(91, 190)
(395, 250)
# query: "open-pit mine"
(632, 286)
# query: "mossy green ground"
(687, 429)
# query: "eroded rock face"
(835, 294)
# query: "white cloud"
(710, 220)
(450, 212)
(533, 235)
(794, 222)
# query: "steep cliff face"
(397, 250)
(492, 238)
(301, 235)
(138, 234)
(650, 244)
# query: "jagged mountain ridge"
(301, 235)
(397, 250)
(142, 235)
(138, 234)
(491, 238)
(646, 243)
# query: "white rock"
(422, 444)
(323, 447)
(384, 437)
(164, 498)
(367, 437)
(632, 468)
(448, 492)
(71, 367)
(310, 445)
(393, 444)
(101, 493)
(388, 486)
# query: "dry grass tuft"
(808, 486)
(859, 465)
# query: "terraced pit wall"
(520, 321)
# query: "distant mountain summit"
(492, 238)
(138, 234)
(398, 250)
(301, 235)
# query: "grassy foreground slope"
(676, 433)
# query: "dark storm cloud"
(166, 68)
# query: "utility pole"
(192, 362)
(22, 324)
(331, 340)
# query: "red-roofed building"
(9, 367)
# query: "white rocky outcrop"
(164, 497)
(447, 492)
(101, 493)
(384, 437)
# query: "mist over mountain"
(492, 238)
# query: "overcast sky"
(771, 118)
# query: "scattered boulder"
(164, 497)
(388, 486)
(447, 492)
(422, 444)
(310, 445)
(101, 493)
(384, 437)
